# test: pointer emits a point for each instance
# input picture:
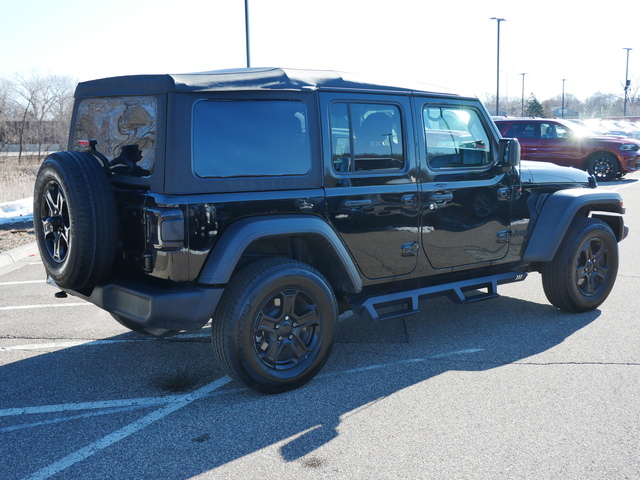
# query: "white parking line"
(173, 403)
(75, 407)
(95, 447)
(93, 343)
(69, 344)
(152, 401)
(2, 284)
(51, 305)
(53, 421)
(402, 362)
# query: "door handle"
(440, 197)
(357, 203)
(410, 201)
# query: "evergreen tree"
(533, 108)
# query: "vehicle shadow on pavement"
(370, 363)
(620, 181)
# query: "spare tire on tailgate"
(75, 219)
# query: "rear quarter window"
(250, 138)
(118, 123)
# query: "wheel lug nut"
(278, 325)
(290, 337)
(280, 339)
(286, 317)
(295, 324)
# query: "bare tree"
(42, 101)
(571, 102)
(602, 105)
(5, 113)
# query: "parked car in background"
(613, 128)
(610, 126)
(630, 127)
(568, 144)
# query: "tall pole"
(246, 31)
(498, 66)
(522, 114)
(562, 106)
(626, 83)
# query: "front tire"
(604, 166)
(273, 330)
(584, 269)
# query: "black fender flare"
(239, 235)
(559, 210)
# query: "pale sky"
(448, 43)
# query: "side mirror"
(509, 153)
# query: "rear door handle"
(410, 201)
(440, 197)
(357, 203)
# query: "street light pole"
(562, 106)
(498, 66)
(626, 83)
(246, 31)
(523, 74)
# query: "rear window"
(250, 138)
(122, 126)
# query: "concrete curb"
(17, 254)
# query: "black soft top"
(242, 79)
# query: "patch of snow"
(16, 211)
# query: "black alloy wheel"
(584, 269)
(56, 224)
(604, 166)
(75, 219)
(592, 267)
(273, 329)
(286, 329)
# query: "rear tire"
(75, 219)
(273, 330)
(584, 269)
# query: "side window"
(548, 130)
(523, 130)
(366, 137)
(553, 130)
(250, 138)
(455, 138)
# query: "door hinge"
(410, 249)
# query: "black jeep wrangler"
(270, 200)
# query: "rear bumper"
(150, 306)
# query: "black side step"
(392, 305)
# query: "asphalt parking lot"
(502, 389)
